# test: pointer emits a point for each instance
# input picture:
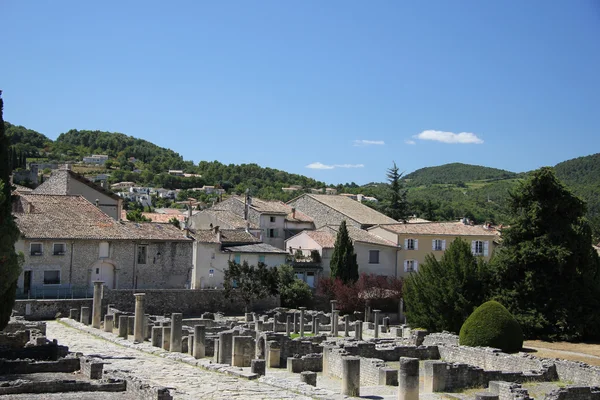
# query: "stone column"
(199, 341)
(435, 376)
(288, 325)
(176, 326)
(74, 314)
(274, 355)
(123, 326)
(408, 379)
(138, 319)
(367, 313)
(108, 323)
(97, 305)
(84, 316)
(157, 336)
(346, 325)
(259, 325)
(130, 324)
(386, 324)
(313, 328)
(258, 366)
(225, 347)
(334, 322)
(116, 319)
(240, 355)
(295, 322)
(166, 338)
(302, 320)
(333, 306)
(358, 330)
(351, 376)
(376, 322)
(249, 317)
(308, 377)
(401, 318)
(317, 325)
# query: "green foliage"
(396, 206)
(293, 292)
(137, 216)
(440, 295)
(251, 282)
(343, 260)
(456, 173)
(26, 140)
(175, 222)
(492, 325)
(547, 273)
(9, 233)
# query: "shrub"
(492, 325)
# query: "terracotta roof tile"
(230, 218)
(254, 248)
(58, 183)
(440, 228)
(227, 236)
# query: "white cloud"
(408, 141)
(360, 143)
(449, 137)
(318, 165)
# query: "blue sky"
(335, 90)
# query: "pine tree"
(547, 272)
(442, 294)
(9, 233)
(343, 260)
(397, 205)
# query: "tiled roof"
(58, 183)
(22, 189)
(353, 209)
(324, 239)
(360, 235)
(157, 217)
(440, 228)
(254, 248)
(41, 216)
(266, 207)
(298, 216)
(227, 236)
(230, 218)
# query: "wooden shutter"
(433, 244)
(473, 246)
(415, 266)
(416, 244)
(444, 244)
(405, 244)
(486, 245)
(405, 265)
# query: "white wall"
(279, 225)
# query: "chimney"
(248, 227)
(29, 208)
(293, 212)
(218, 233)
(97, 202)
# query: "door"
(103, 271)
(27, 282)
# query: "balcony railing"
(42, 292)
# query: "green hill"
(26, 140)
(455, 173)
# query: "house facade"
(333, 209)
(68, 243)
(416, 240)
(66, 182)
(99, 159)
(214, 248)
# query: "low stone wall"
(309, 362)
(37, 310)
(15, 340)
(16, 325)
(443, 339)
(369, 367)
(390, 351)
(141, 390)
(34, 367)
(46, 352)
(509, 391)
(186, 301)
(577, 372)
(575, 393)
(492, 359)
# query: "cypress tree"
(397, 205)
(9, 233)
(343, 260)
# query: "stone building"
(224, 219)
(332, 210)
(66, 182)
(214, 248)
(68, 243)
(276, 220)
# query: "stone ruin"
(308, 349)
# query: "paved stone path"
(188, 382)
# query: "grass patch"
(297, 335)
(585, 352)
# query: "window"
(272, 219)
(37, 249)
(310, 279)
(438, 245)
(104, 250)
(272, 233)
(59, 249)
(410, 265)
(411, 244)
(373, 256)
(141, 254)
(261, 258)
(237, 258)
(51, 277)
(479, 247)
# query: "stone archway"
(103, 270)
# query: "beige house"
(214, 248)
(375, 255)
(68, 243)
(416, 241)
(66, 182)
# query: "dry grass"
(565, 351)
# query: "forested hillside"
(455, 173)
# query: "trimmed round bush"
(492, 325)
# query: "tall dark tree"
(397, 205)
(343, 260)
(9, 233)
(442, 294)
(251, 282)
(547, 272)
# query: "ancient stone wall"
(444, 339)
(490, 359)
(576, 372)
(391, 352)
(48, 309)
(575, 393)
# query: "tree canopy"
(396, 206)
(251, 282)
(343, 263)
